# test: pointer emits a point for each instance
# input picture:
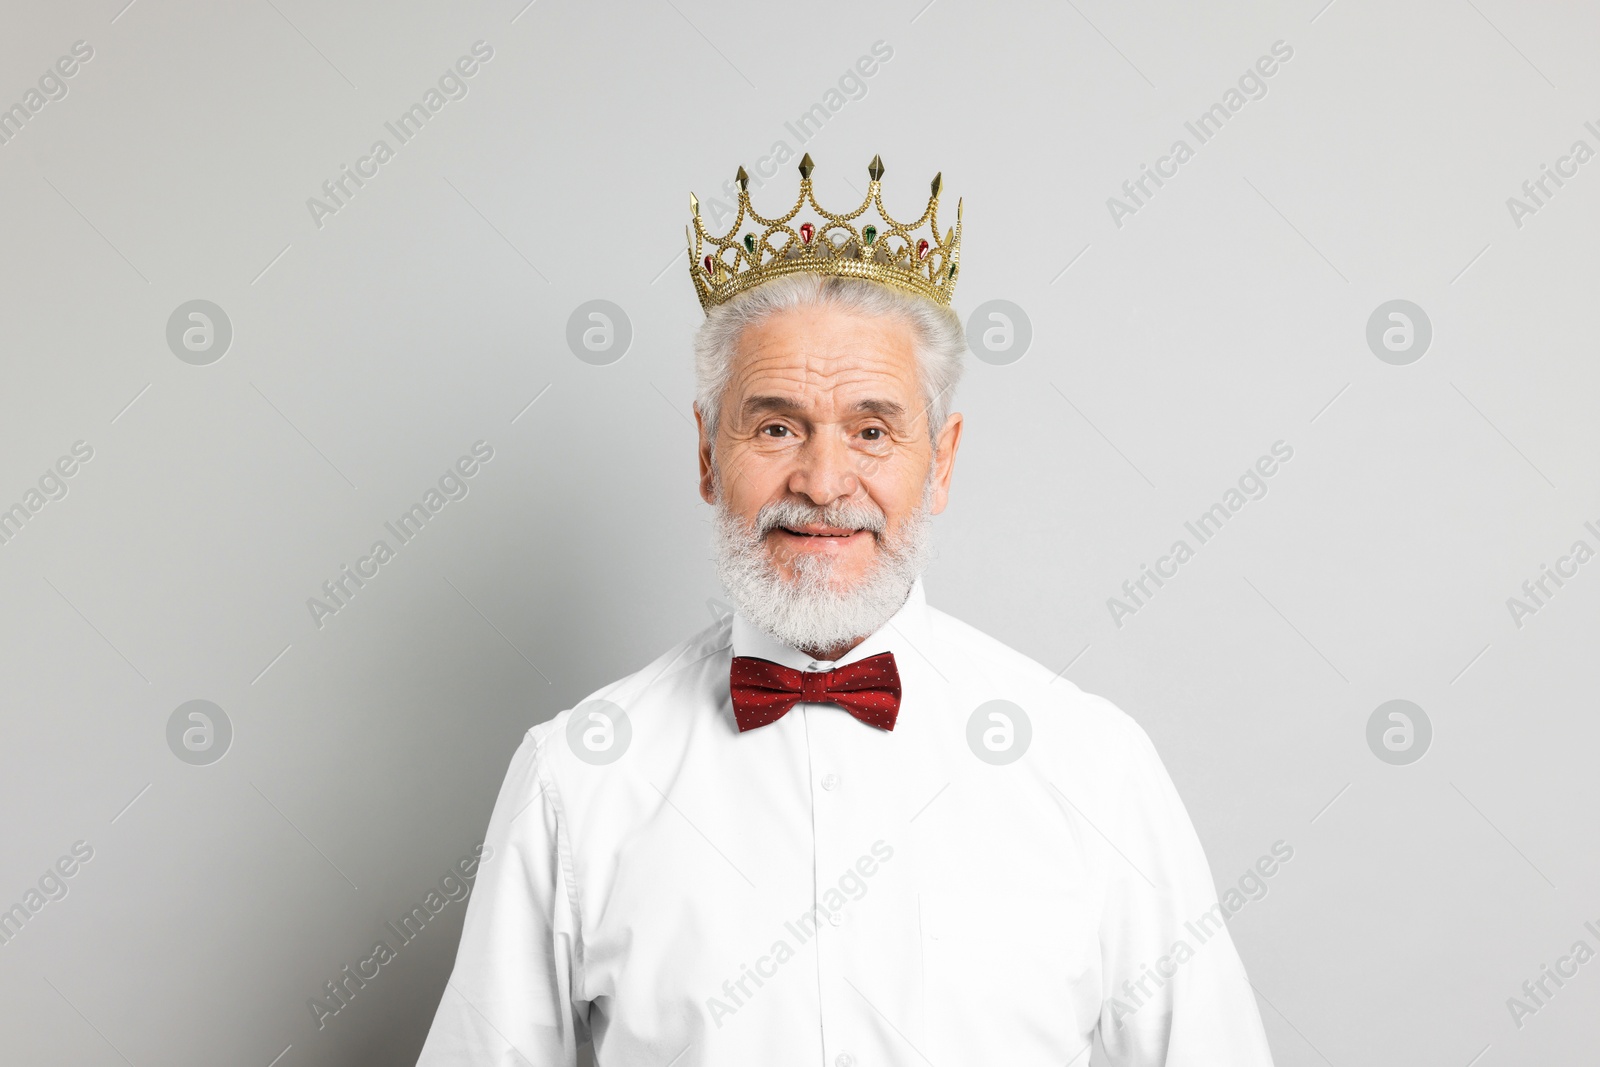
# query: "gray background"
(1167, 354)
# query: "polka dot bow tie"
(763, 691)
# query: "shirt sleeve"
(1176, 994)
(509, 1001)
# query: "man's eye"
(873, 433)
(775, 430)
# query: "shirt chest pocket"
(1014, 962)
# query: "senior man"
(839, 827)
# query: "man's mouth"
(819, 531)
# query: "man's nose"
(825, 470)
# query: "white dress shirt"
(820, 892)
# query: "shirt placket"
(827, 728)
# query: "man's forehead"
(850, 355)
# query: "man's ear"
(708, 489)
(944, 460)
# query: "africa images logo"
(338, 191)
(852, 84)
(1252, 85)
(454, 886)
(52, 86)
(51, 887)
(453, 484)
(51, 485)
(829, 909)
(1252, 485)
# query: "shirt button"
(830, 781)
(836, 919)
(844, 1059)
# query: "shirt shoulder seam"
(569, 874)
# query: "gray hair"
(939, 338)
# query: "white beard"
(809, 612)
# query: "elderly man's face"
(825, 407)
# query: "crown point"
(875, 168)
(744, 180)
(806, 167)
(938, 182)
(694, 204)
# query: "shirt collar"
(905, 634)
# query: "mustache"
(842, 514)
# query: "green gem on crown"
(869, 234)
(750, 243)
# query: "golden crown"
(886, 251)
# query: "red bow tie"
(764, 691)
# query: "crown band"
(888, 251)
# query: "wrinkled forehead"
(826, 362)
